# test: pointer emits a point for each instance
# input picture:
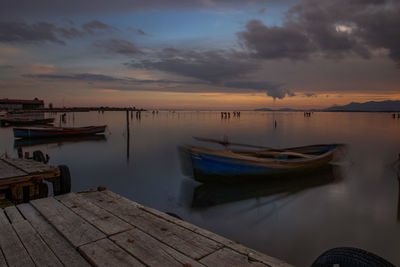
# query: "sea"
(356, 203)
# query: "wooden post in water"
(127, 135)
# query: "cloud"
(94, 25)
(275, 42)
(42, 8)
(128, 84)
(39, 32)
(31, 33)
(274, 90)
(211, 66)
(316, 28)
(118, 46)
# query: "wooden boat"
(24, 121)
(210, 165)
(57, 131)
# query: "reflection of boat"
(211, 165)
(211, 194)
(27, 142)
(57, 131)
(25, 121)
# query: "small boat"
(24, 121)
(210, 165)
(45, 132)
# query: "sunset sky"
(211, 54)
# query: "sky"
(200, 54)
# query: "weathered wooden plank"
(65, 252)
(13, 214)
(70, 225)
(227, 257)
(6, 170)
(2, 259)
(183, 240)
(105, 253)
(151, 251)
(252, 254)
(29, 166)
(100, 218)
(40, 253)
(14, 252)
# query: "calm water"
(296, 223)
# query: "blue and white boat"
(210, 165)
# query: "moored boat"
(24, 121)
(210, 165)
(57, 131)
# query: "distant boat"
(57, 131)
(24, 121)
(210, 165)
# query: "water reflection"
(211, 194)
(30, 142)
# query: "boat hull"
(57, 132)
(213, 165)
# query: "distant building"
(21, 104)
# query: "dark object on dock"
(24, 121)
(57, 131)
(243, 165)
(40, 157)
(350, 257)
(22, 180)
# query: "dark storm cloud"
(211, 66)
(271, 89)
(31, 33)
(276, 42)
(126, 84)
(223, 71)
(117, 46)
(332, 28)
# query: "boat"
(211, 165)
(24, 121)
(45, 132)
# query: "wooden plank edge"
(252, 254)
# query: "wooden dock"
(22, 179)
(101, 228)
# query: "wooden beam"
(14, 252)
(100, 218)
(70, 225)
(105, 253)
(65, 252)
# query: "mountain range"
(371, 106)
